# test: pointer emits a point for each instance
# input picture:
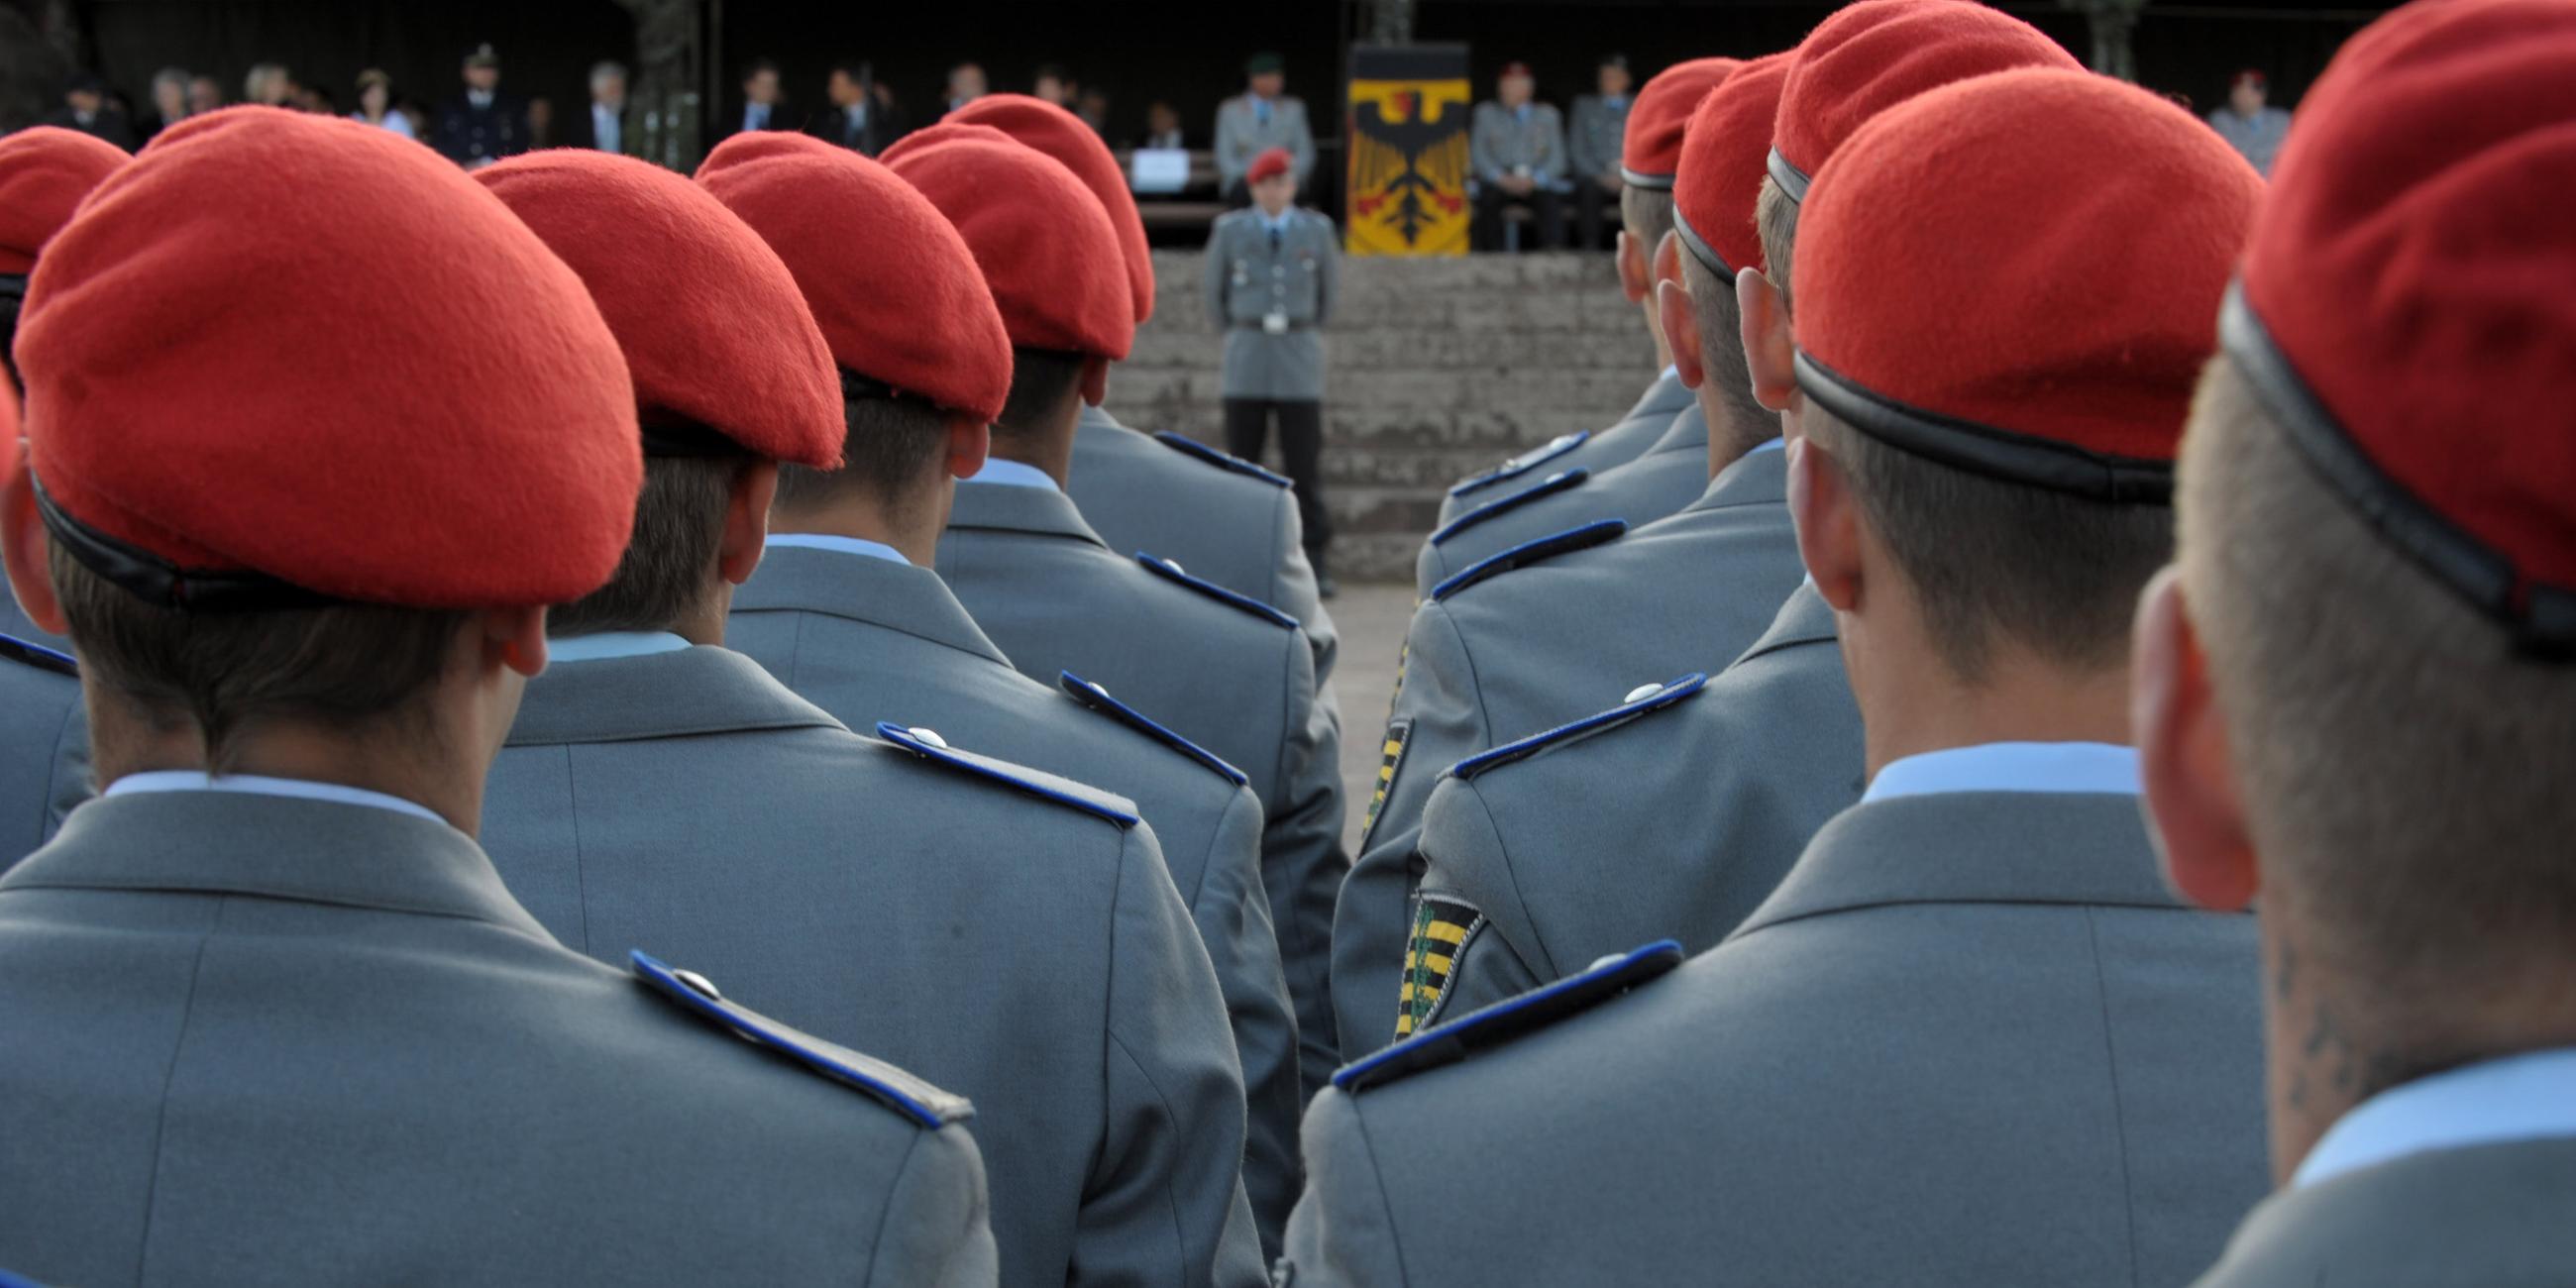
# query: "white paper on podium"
(1159, 170)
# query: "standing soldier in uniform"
(1271, 272)
(481, 125)
(1517, 150)
(272, 1014)
(1592, 147)
(1260, 118)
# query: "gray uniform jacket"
(1665, 477)
(1593, 450)
(1523, 652)
(1595, 135)
(1234, 675)
(1272, 300)
(1502, 142)
(1972, 1040)
(294, 1041)
(1241, 135)
(1030, 952)
(2487, 1216)
(44, 744)
(868, 640)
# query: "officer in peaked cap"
(1565, 624)
(44, 743)
(1971, 1038)
(846, 611)
(2356, 692)
(1270, 274)
(661, 788)
(1650, 146)
(295, 1029)
(1231, 673)
(482, 124)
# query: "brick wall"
(1436, 368)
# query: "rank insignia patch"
(1442, 929)
(1398, 733)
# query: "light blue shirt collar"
(1278, 223)
(1768, 445)
(845, 545)
(190, 780)
(1012, 474)
(607, 644)
(2523, 1097)
(2010, 767)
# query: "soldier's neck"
(436, 762)
(1047, 448)
(912, 528)
(1912, 702)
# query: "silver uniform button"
(929, 736)
(699, 983)
(1175, 565)
(1642, 692)
(1599, 962)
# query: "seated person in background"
(1516, 149)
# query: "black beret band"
(1985, 450)
(157, 581)
(1792, 180)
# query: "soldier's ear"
(970, 444)
(514, 638)
(746, 527)
(23, 545)
(1827, 517)
(2197, 813)
(1680, 321)
(1636, 280)
(1770, 348)
(1095, 381)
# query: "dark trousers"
(1590, 202)
(1301, 449)
(1547, 207)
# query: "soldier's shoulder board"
(30, 653)
(1651, 698)
(1172, 571)
(1561, 481)
(1531, 552)
(1503, 1022)
(1188, 446)
(1097, 698)
(897, 1089)
(928, 745)
(1523, 463)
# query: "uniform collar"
(659, 695)
(275, 846)
(1759, 477)
(190, 780)
(1094, 418)
(1663, 399)
(859, 546)
(2054, 767)
(872, 592)
(609, 644)
(2496, 1102)
(2016, 847)
(1804, 619)
(1277, 223)
(1046, 512)
(1013, 474)
(1687, 433)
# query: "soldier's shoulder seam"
(1172, 571)
(900, 1090)
(1191, 447)
(30, 653)
(1504, 1022)
(926, 744)
(1523, 463)
(1096, 698)
(1644, 701)
(1561, 481)
(1527, 553)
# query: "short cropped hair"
(1041, 381)
(893, 448)
(1775, 220)
(607, 70)
(2403, 766)
(225, 673)
(1993, 562)
(670, 563)
(1721, 350)
(1647, 215)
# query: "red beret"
(1719, 175)
(2407, 304)
(44, 172)
(1062, 135)
(714, 330)
(301, 350)
(1271, 162)
(1044, 243)
(1650, 149)
(892, 285)
(947, 130)
(1871, 56)
(1981, 317)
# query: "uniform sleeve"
(1233, 918)
(1165, 1201)
(1551, 168)
(1480, 147)
(1436, 721)
(1328, 288)
(1466, 863)
(937, 1228)
(1302, 861)
(1341, 1232)
(1292, 591)
(1230, 161)
(1585, 157)
(1216, 275)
